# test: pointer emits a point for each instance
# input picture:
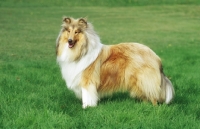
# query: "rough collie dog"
(93, 70)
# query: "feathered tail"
(167, 90)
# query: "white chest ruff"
(72, 70)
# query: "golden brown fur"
(118, 71)
(93, 70)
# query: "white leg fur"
(89, 96)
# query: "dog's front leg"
(89, 96)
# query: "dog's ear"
(82, 22)
(67, 20)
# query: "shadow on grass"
(180, 100)
(69, 104)
(119, 97)
(72, 106)
(186, 94)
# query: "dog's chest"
(72, 70)
(71, 73)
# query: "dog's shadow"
(182, 95)
(72, 106)
(118, 97)
(69, 104)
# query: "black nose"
(69, 40)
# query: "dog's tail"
(167, 90)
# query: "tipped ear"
(82, 22)
(67, 20)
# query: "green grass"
(80, 3)
(33, 94)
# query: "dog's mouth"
(71, 45)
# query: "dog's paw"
(85, 105)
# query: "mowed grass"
(33, 94)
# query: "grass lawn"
(33, 94)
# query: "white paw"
(85, 105)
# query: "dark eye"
(77, 31)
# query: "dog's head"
(76, 39)
(73, 36)
(73, 30)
